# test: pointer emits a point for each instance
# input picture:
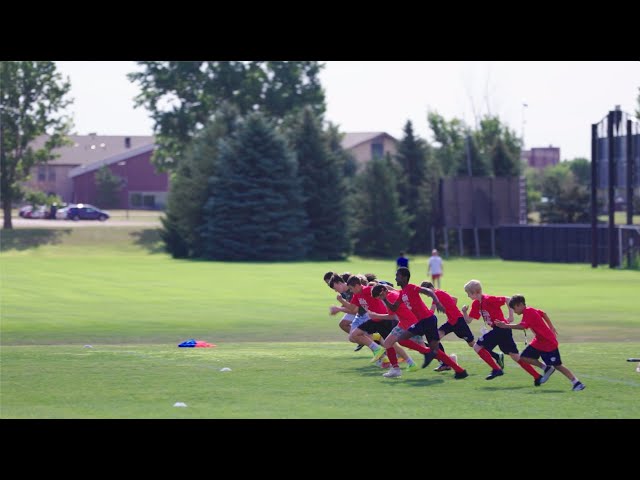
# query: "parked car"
(86, 212)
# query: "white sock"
(373, 346)
(575, 380)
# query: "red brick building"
(542, 158)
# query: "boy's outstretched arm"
(432, 294)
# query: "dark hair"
(404, 271)
(335, 279)
(377, 290)
(517, 300)
(353, 281)
(371, 277)
(327, 276)
(345, 276)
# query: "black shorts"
(500, 337)
(383, 327)
(461, 329)
(550, 358)
(427, 327)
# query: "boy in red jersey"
(544, 344)
(455, 323)
(490, 308)
(427, 325)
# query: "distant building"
(366, 146)
(542, 158)
(71, 175)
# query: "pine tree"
(413, 187)
(255, 210)
(382, 225)
(324, 188)
(190, 186)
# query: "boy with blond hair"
(489, 307)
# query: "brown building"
(542, 158)
(54, 176)
(368, 145)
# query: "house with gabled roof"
(365, 146)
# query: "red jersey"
(405, 316)
(489, 308)
(365, 300)
(545, 340)
(449, 304)
(412, 299)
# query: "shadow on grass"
(149, 239)
(498, 388)
(27, 238)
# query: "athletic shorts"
(502, 338)
(359, 320)
(348, 317)
(427, 327)
(461, 329)
(550, 358)
(383, 327)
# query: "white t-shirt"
(435, 265)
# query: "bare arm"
(432, 294)
(548, 320)
(380, 316)
(465, 313)
(510, 326)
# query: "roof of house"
(89, 167)
(91, 148)
(354, 139)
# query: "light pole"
(126, 183)
(524, 105)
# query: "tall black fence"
(567, 243)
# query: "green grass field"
(115, 289)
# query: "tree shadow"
(149, 239)
(28, 238)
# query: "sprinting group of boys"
(401, 318)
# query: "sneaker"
(427, 358)
(358, 348)
(412, 368)
(538, 381)
(378, 354)
(392, 373)
(459, 375)
(578, 386)
(547, 373)
(442, 368)
(494, 374)
(500, 360)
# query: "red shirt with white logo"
(365, 300)
(412, 299)
(405, 316)
(489, 307)
(545, 340)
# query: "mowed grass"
(114, 289)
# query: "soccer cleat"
(500, 360)
(578, 386)
(412, 368)
(547, 373)
(494, 374)
(378, 353)
(428, 357)
(460, 375)
(538, 381)
(393, 372)
(442, 368)
(358, 348)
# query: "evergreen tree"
(382, 225)
(415, 188)
(503, 162)
(255, 210)
(108, 185)
(324, 188)
(190, 186)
